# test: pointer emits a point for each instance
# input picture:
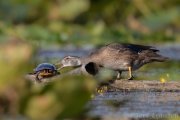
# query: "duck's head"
(70, 61)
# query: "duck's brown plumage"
(125, 52)
(120, 57)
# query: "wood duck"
(118, 57)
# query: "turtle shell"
(44, 66)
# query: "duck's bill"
(59, 66)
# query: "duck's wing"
(131, 47)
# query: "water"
(170, 50)
(136, 104)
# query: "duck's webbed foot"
(131, 78)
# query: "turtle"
(45, 70)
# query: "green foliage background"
(97, 22)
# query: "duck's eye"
(66, 58)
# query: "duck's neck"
(90, 58)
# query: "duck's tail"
(151, 56)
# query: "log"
(126, 85)
(145, 85)
(118, 85)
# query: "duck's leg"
(130, 73)
(119, 75)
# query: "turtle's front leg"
(38, 77)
